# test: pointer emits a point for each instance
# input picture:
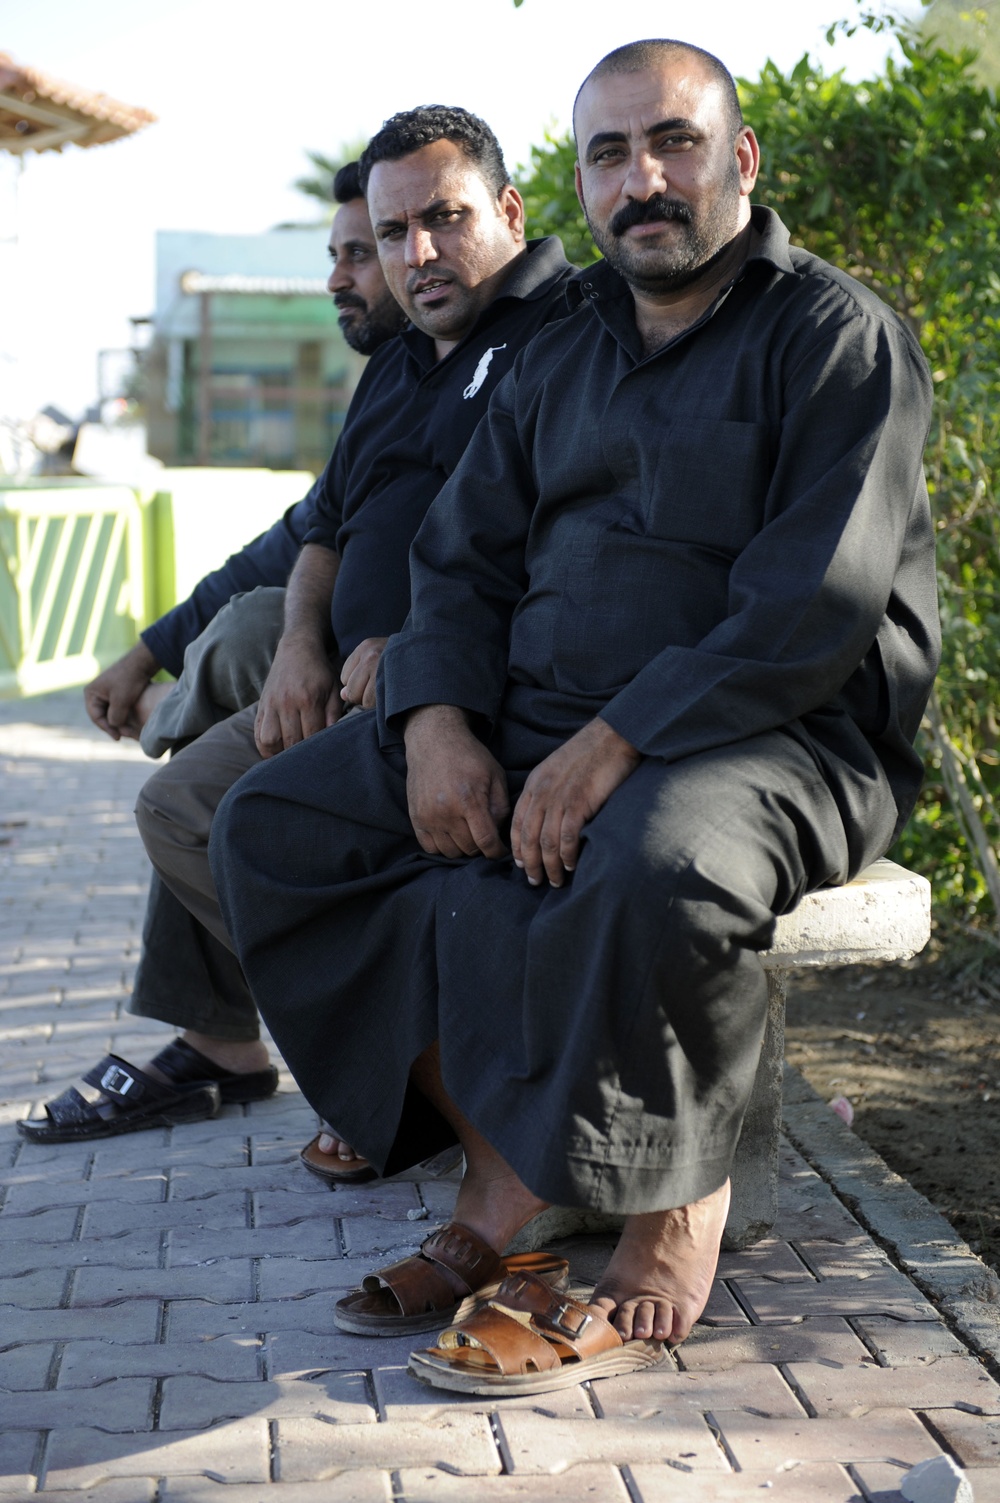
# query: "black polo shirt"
(408, 425)
(727, 536)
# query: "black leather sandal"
(118, 1098)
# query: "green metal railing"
(85, 565)
(72, 582)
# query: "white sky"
(243, 91)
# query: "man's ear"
(512, 208)
(748, 160)
(578, 180)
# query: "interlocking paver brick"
(87, 1362)
(191, 1319)
(880, 1435)
(306, 1239)
(897, 1343)
(887, 1292)
(39, 1195)
(388, 1198)
(945, 1384)
(281, 1278)
(57, 1225)
(974, 1438)
(279, 1206)
(376, 1238)
(236, 1452)
(346, 1487)
(757, 1387)
(189, 1181)
(292, 1352)
(582, 1484)
(17, 1474)
(235, 1122)
(123, 1404)
(134, 1320)
(535, 1443)
(806, 1216)
(138, 1250)
(810, 1483)
(24, 1367)
(342, 1398)
(124, 1490)
(224, 1282)
(35, 1289)
(403, 1397)
(110, 1217)
(161, 1151)
(771, 1259)
(438, 1196)
(721, 1310)
(826, 1337)
(308, 1448)
(859, 1258)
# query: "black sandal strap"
(124, 1083)
(180, 1062)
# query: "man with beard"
(676, 609)
(476, 292)
(220, 643)
(123, 699)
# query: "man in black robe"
(675, 609)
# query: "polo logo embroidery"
(480, 373)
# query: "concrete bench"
(883, 915)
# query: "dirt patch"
(917, 1054)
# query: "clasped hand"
(457, 793)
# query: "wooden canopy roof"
(38, 113)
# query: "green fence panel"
(84, 565)
(71, 582)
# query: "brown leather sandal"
(530, 1338)
(334, 1171)
(453, 1269)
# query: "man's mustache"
(349, 300)
(659, 207)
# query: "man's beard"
(380, 322)
(667, 268)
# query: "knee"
(151, 813)
(255, 617)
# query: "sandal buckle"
(559, 1318)
(117, 1081)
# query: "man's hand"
(111, 697)
(299, 697)
(456, 791)
(561, 794)
(358, 673)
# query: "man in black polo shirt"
(476, 292)
(676, 609)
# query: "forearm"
(308, 597)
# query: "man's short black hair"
(636, 57)
(347, 184)
(407, 132)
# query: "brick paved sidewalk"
(165, 1298)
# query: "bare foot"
(660, 1275)
(147, 702)
(492, 1200)
(330, 1143)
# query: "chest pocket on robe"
(649, 567)
(704, 483)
